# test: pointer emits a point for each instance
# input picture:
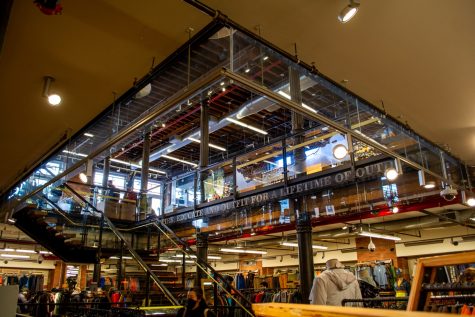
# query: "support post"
(304, 239)
(183, 269)
(202, 255)
(297, 121)
(144, 176)
(147, 290)
(204, 148)
(119, 264)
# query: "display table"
(291, 310)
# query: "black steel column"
(96, 275)
(144, 176)
(202, 255)
(297, 121)
(304, 239)
(105, 171)
(183, 271)
(204, 148)
(147, 289)
(119, 265)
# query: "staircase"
(68, 236)
(51, 231)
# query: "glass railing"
(305, 152)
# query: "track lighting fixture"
(391, 174)
(340, 151)
(83, 177)
(349, 11)
(53, 99)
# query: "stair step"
(38, 213)
(51, 220)
(65, 235)
(72, 241)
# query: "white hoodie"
(334, 285)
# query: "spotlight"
(391, 174)
(340, 151)
(471, 201)
(53, 99)
(395, 210)
(83, 178)
(349, 11)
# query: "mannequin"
(334, 285)
(403, 287)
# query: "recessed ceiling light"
(89, 135)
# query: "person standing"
(195, 305)
(334, 285)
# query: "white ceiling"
(416, 56)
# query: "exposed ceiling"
(416, 56)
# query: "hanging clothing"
(23, 282)
(334, 285)
(379, 273)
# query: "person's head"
(110, 183)
(334, 264)
(264, 284)
(195, 294)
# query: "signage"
(313, 185)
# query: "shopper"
(196, 305)
(334, 285)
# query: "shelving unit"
(426, 274)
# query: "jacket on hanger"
(332, 286)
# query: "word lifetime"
(262, 198)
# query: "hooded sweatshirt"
(334, 285)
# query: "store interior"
(232, 164)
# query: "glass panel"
(260, 168)
(259, 64)
(219, 182)
(320, 149)
(183, 195)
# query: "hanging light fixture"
(349, 11)
(340, 151)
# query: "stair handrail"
(132, 252)
(188, 252)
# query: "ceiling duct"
(249, 108)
